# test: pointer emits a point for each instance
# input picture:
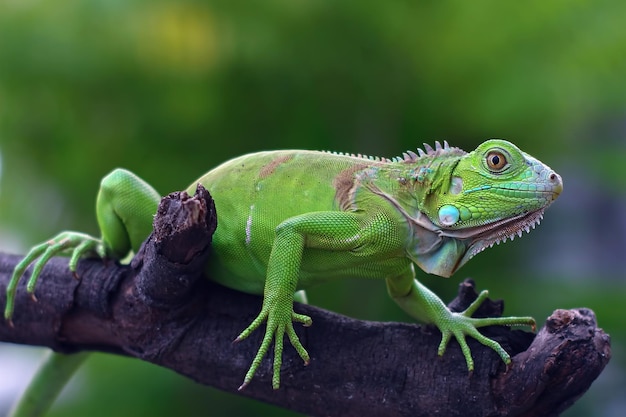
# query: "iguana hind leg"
(125, 207)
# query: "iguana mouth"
(460, 245)
(479, 238)
(500, 230)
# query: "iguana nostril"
(557, 181)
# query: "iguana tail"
(47, 383)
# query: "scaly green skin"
(291, 219)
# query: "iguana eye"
(496, 161)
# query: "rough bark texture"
(160, 310)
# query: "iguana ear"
(442, 260)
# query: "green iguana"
(291, 219)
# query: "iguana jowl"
(291, 219)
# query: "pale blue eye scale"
(448, 215)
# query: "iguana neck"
(408, 185)
(408, 189)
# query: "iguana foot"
(65, 243)
(463, 324)
(280, 318)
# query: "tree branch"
(159, 309)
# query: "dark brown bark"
(160, 310)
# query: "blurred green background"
(170, 89)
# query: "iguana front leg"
(277, 310)
(425, 306)
(333, 231)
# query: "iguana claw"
(463, 324)
(278, 324)
(74, 243)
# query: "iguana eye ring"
(496, 161)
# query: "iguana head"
(475, 200)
